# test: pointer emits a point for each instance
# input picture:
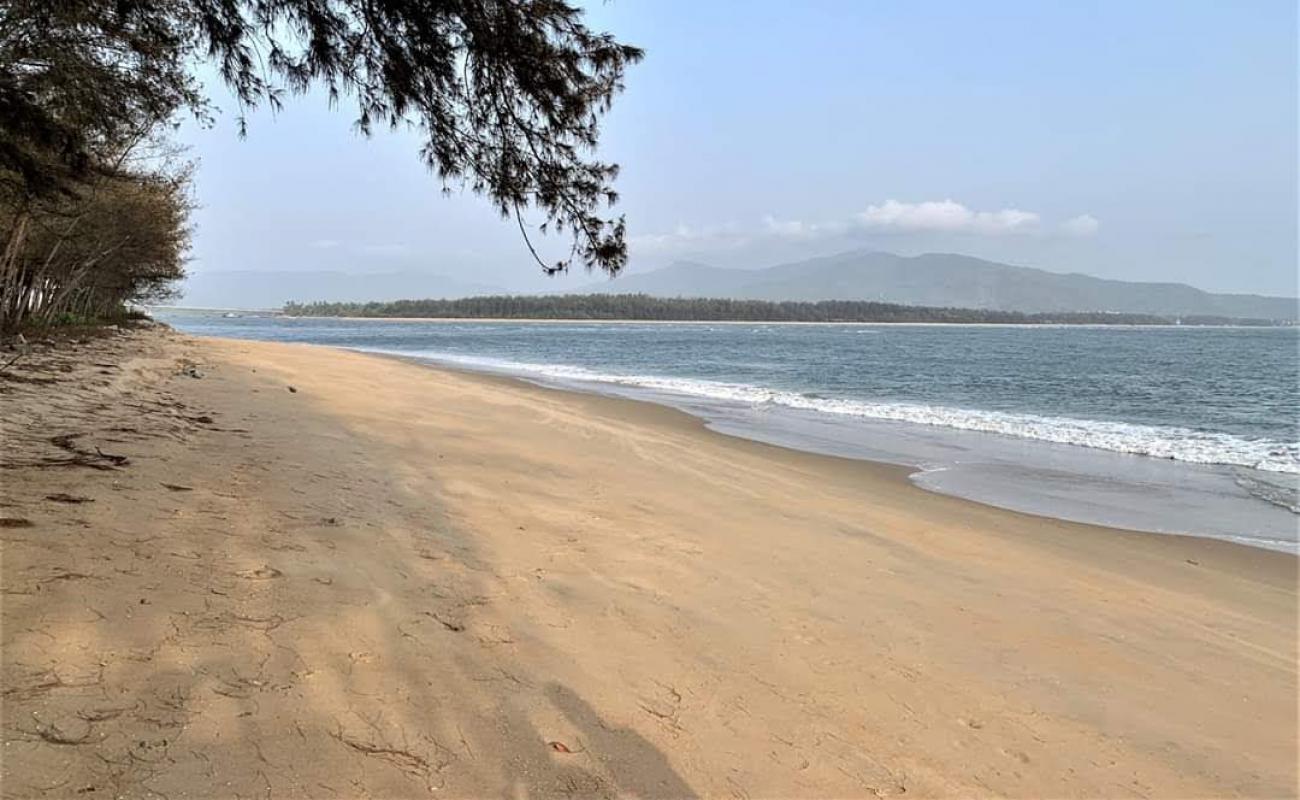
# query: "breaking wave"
(1175, 443)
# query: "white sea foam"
(1176, 443)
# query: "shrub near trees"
(506, 93)
(92, 216)
(84, 255)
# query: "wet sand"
(397, 581)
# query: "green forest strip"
(640, 307)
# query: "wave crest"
(1175, 443)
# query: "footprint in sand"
(263, 573)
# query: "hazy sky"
(1135, 140)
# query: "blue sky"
(1134, 140)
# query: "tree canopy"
(702, 309)
(507, 94)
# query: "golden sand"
(397, 581)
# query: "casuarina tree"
(507, 95)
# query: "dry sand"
(398, 581)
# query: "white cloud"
(798, 229)
(788, 229)
(946, 216)
(685, 237)
(325, 244)
(889, 217)
(1082, 225)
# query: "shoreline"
(1129, 475)
(394, 579)
(640, 410)
(901, 474)
(965, 481)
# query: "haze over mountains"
(942, 279)
(935, 279)
(258, 289)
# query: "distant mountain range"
(940, 279)
(935, 279)
(255, 289)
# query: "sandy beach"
(238, 569)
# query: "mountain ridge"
(946, 280)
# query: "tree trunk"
(12, 290)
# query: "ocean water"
(1176, 430)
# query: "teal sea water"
(1181, 430)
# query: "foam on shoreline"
(987, 457)
(1173, 443)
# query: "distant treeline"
(646, 307)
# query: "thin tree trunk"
(11, 289)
